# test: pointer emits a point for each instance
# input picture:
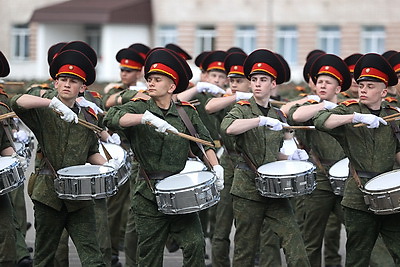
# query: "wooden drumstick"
(7, 115)
(392, 117)
(108, 155)
(305, 127)
(189, 137)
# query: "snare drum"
(382, 193)
(286, 178)
(84, 182)
(194, 166)
(11, 174)
(118, 153)
(187, 193)
(338, 174)
(23, 150)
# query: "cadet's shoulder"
(349, 102)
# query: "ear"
(172, 88)
(82, 88)
(338, 89)
(384, 92)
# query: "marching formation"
(165, 160)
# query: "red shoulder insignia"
(390, 99)
(300, 88)
(93, 113)
(3, 92)
(349, 102)
(312, 101)
(394, 108)
(303, 94)
(243, 102)
(345, 94)
(225, 95)
(95, 94)
(5, 105)
(138, 98)
(184, 103)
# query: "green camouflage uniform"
(250, 209)
(160, 154)
(369, 150)
(114, 90)
(322, 201)
(58, 140)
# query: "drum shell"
(11, 176)
(338, 174)
(85, 186)
(384, 201)
(188, 199)
(117, 152)
(286, 185)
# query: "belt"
(217, 143)
(368, 175)
(156, 175)
(243, 166)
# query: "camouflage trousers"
(153, 229)
(363, 228)
(332, 240)
(277, 213)
(7, 233)
(81, 226)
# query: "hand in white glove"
(161, 125)
(85, 103)
(21, 136)
(273, 124)
(370, 119)
(114, 139)
(138, 87)
(22, 161)
(219, 172)
(243, 95)
(114, 163)
(209, 88)
(329, 104)
(314, 97)
(67, 114)
(298, 154)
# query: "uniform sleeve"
(114, 114)
(232, 115)
(292, 110)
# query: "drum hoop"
(210, 181)
(287, 175)
(387, 190)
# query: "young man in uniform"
(161, 155)
(258, 138)
(371, 150)
(71, 70)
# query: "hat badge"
(70, 67)
(235, 68)
(326, 67)
(367, 70)
(219, 63)
(126, 61)
(259, 65)
(155, 65)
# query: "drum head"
(285, 167)
(19, 146)
(114, 150)
(340, 168)
(84, 170)
(186, 180)
(7, 162)
(384, 181)
(193, 166)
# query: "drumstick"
(14, 83)
(276, 102)
(300, 127)
(108, 156)
(8, 115)
(186, 136)
(392, 117)
(84, 123)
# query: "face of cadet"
(262, 85)
(160, 85)
(327, 87)
(371, 93)
(68, 88)
(239, 85)
(129, 77)
(216, 77)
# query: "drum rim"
(183, 188)
(86, 174)
(313, 168)
(379, 176)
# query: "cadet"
(371, 150)
(166, 74)
(256, 127)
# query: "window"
(20, 39)
(166, 34)
(246, 38)
(205, 39)
(373, 39)
(93, 38)
(329, 39)
(287, 43)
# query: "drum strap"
(146, 177)
(317, 161)
(50, 166)
(189, 125)
(8, 133)
(355, 175)
(251, 165)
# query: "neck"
(374, 106)
(163, 103)
(68, 102)
(263, 102)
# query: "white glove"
(21, 136)
(22, 160)
(219, 172)
(298, 154)
(370, 119)
(114, 163)
(161, 125)
(114, 139)
(209, 88)
(314, 97)
(274, 124)
(243, 95)
(85, 103)
(67, 114)
(329, 105)
(138, 88)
